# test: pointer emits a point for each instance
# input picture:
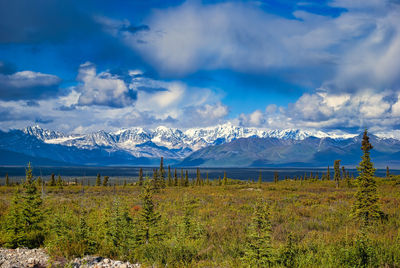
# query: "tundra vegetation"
(172, 220)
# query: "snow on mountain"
(175, 143)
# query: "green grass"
(316, 214)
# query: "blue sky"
(80, 66)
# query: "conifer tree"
(225, 179)
(170, 182)
(259, 251)
(366, 207)
(207, 179)
(276, 177)
(198, 183)
(52, 180)
(387, 172)
(260, 178)
(343, 173)
(140, 177)
(182, 181)
(124, 183)
(149, 218)
(105, 181)
(7, 180)
(219, 181)
(175, 178)
(119, 230)
(336, 167)
(98, 180)
(24, 220)
(161, 174)
(59, 182)
(328, 174)
(186, 184)
(288, 255)
(39, 181)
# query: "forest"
(172, 220)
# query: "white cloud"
(103, 88)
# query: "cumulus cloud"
(28, 85)
(102, 89)
(323, 110)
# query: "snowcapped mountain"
(157, 142)
(222, 145)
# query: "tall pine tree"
(366, 207)
(336, 167)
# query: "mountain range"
(220, 146)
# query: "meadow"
(208, 225)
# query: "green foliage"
(7, 183)
(98, 180)
(336, 167)
(24, 221)
(141, 177)
(289, 253)
(105, 181)
(259, 251)
(276, 177)
(366, 207)
(149, 219)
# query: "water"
(131, 173)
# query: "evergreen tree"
(105, 181)
(198, 183)
(288, 255)
(60, 182)
(39, 181)
(328, 174)
(186, 184)
(258, 251)
(25, 218)
(207, 179)
(387, 172)
(182, 181)
(119, 231)
(149, 218)
(170, 182)
(276, 177)
(124, 183)
(175, 178)
(98, 180)
(225, 179)
(343, 173)
(260, 179)
(161, 174)
(52, 180)
(336, 167)
(366, 207)
(7, 180)
(140, 177)
(219, 181)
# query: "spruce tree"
(328, 174)
(140, 177)
(52, 180)
(161, 174)
(186, 179)
(7, 180)
(225, 179)
(182, 181)
(336, 167)
(170, 182)
(343, 173)
(60, 182)
(207, 179)
(149, 218)
(387, 172)
(260, 179)
(105, 181)
(25, 218)
(175, 178)
(39, 181)
(98, 180)
(198, 183)
(259, 251)
(276, 177)
(366, 207)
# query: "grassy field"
(207, 226)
